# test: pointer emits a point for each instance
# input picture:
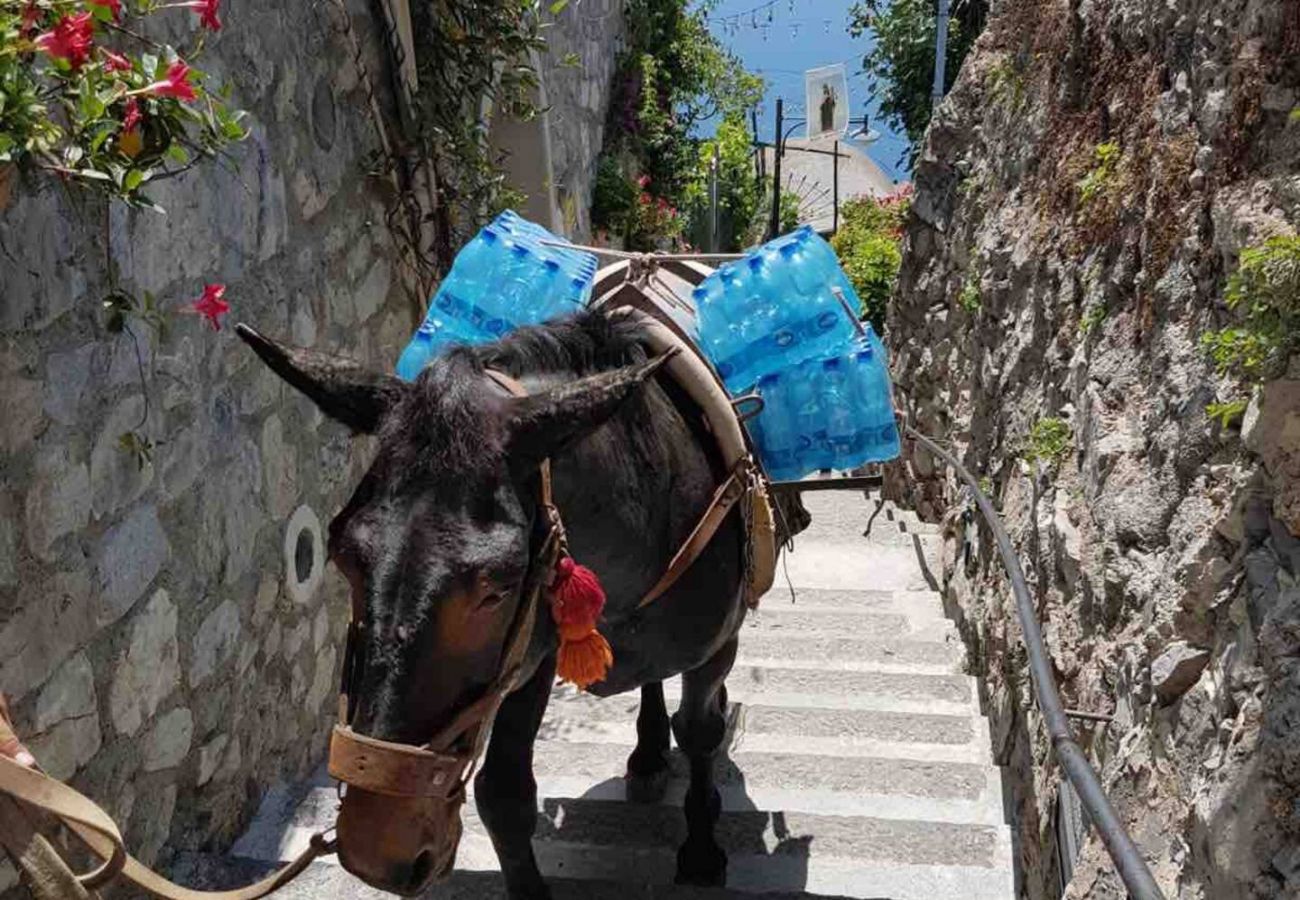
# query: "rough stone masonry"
(1040, 282)
(169, 631)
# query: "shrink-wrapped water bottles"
(505, 277)
(831, 412)
(774, 309)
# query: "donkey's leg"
(699, 726)
(505, 790)
(647, 767)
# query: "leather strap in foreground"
(724, 498)
(98, 831)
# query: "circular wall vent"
(304, 554)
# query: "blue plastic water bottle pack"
(773, 323)
(503, 278)
(779, 322)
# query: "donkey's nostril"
(421, 869)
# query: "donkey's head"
(436, 543)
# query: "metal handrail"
(1128, 860)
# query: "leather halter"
(441, 768)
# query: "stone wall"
(578, 70)
(166, 652)
(1163, 548)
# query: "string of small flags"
(763, 18)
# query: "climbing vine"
(86, 98)
(672, 76)
(471, 54)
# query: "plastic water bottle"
(879, 430)
(843, 414)
(773, 428)
(809, 422)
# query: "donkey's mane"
(439, 430)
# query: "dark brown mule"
(437, 541)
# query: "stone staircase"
(857, 760)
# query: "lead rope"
(97, 830)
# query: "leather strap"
(98, 831)
(724, 498)
(398, 770)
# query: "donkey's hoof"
(702, 865)
(646, 787)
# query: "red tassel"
(577, 600)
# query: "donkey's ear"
(541, 424)
(342, 389)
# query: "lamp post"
(863, 132)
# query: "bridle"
(440, 769)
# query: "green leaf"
(133, 180)
(558, 6)
(177, 154)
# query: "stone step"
(919, 604)
(851, 653)
(917, 786)
(848, 565)
(811, 621)
(322, 881)
(789, 868)
(846, 732)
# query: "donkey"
(436, 543)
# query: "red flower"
(31, 15)
(176, 84)
(207, 13)
(131, 118)
(211, 306)
(116, 62)
(71, 39)
(113, 6)
(643, 181)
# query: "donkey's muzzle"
(399, 825)
(398, 844)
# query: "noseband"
(441, 768)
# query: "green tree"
(739, 191)
(901, 60)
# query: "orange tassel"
(577, 600)
(584, 657)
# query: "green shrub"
(1227, 413)
(1106, 158)
(1048, 441)
(1265, 293)
(1092, 319)
(969, 299)
(868, 245)
(739, 191)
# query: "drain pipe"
(1128, 860)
